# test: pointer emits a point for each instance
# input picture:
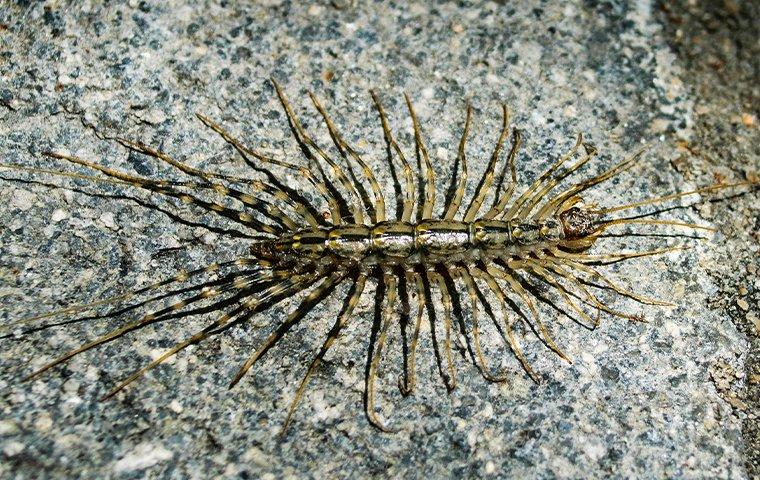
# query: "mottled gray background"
(676, 397)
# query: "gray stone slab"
(648, 400)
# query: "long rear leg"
(344, 316)
(302, 206)
(316, 296)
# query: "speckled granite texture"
(663, 399)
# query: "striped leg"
(501, 200)
(376, 211)
(408, 203)
(482, 364)
(446, 301)
(316, 296)
(427, 189)
(410, 376)
(344, 316)
(389, 282)
(456, 200)
(487, 179)
(528, 193)
(165, 188)
(514, 285)
(511, 340)
(338, 205)
(302, 206)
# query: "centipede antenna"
(614, 257)
(315, 297)
(487, 179)
(376, 212)
(501, 200)
(665, 198)
(634, 221)
(409, 192)
(456, 201)
(352, 299)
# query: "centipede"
(541, 232)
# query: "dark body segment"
(429, 241)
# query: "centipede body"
(540, 232)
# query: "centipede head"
(578, 224)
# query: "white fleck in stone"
(108, 220)
(44, 422)
(175, 406)
(23, 200)
(11, 449)
(141, 457)
(490, 468)
(58, 215)
(316, 10)
(8, 427)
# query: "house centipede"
(539, 235)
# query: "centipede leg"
(446, 301)
(487, 179)
(389, 282)
(143, 321)
(511, 340)
(337, 204)
(518, 203)
(427, 189)
(303, 206)
(314, 297)
(375, 210)
(501, 199)
(405, 214)
(410, 376)
(515, 286)
(352, 299)
(482, 363)
(266, 208)
(452, 208)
